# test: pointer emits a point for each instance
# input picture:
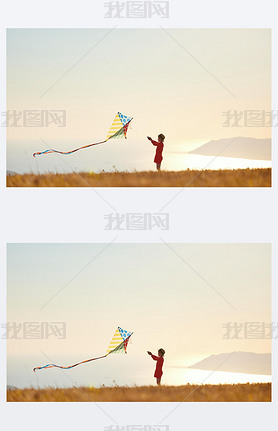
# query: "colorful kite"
(117, 130)
(118, 344)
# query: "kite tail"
(70, 366)
(67, 152)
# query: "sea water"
(121, 370)
(115, 155)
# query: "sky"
(165, 296)
(177, 82)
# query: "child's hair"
(161, 136)
(162, 351)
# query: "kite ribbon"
(67, 152)
(118, 129)
(70, 366)
(118, 344)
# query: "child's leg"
(158, 381)
(158, 166)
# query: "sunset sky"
(175, 81)
(177, 297)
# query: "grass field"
(257, 392)
(188, 178)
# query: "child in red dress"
(159, 364)
(159, 148)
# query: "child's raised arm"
(155, 358)
(152, 141)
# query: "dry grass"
(188, 178)
(257, 392)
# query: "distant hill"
(237, 362)
(239, 147)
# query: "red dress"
(159, 364)
(159, 148)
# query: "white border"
(197, 215)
